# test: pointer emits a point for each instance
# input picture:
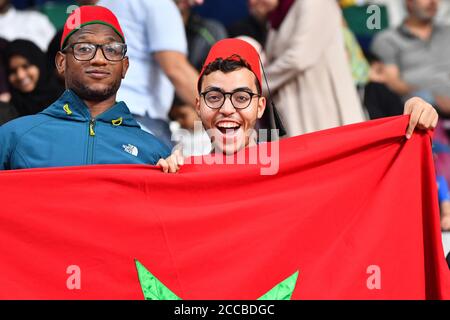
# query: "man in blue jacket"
(85, 125)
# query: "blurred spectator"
(416, 55)
(416, 63)
(201, 33)
(7, 113)
(358, 63)
(29, 25)
(397, 11)
(308, 70)
(256, 25)
(4, 91)
(444, 202)
(188, 132)
(181, 113)
(378, 99)
(158, 61)
(32, 88)
(190, 139)
(395, 8)
(441, 147)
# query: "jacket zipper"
(90, 155)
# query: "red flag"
(354, 210)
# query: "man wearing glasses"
(230, 101)
(85, 125)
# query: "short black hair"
(233, 63)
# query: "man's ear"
(125, 66)
(197, 105)
(262, 102)
(60, 61)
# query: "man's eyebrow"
(242, 89)
(87, 34)
(211, 88)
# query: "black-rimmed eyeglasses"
(85, 51)
(240, 99)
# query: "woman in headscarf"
(7, 111)
(33, 88)
(307, 69)
(4, 89)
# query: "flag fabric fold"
(353, 210)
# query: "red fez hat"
(229, 49)
(86, 15)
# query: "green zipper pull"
(91, 127)
(67, 109)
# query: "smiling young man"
(85, 125)
(230, 98)
(230, 101)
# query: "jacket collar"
(70, 107)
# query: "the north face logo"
(131, 149)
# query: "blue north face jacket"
(65, 135)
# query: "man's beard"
(424, 16)
(88, 94)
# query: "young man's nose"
(227, 107)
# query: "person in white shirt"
(157, 49)
(25, 24)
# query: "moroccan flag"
(352, 213)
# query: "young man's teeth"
(228, 126)
(225, 128)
